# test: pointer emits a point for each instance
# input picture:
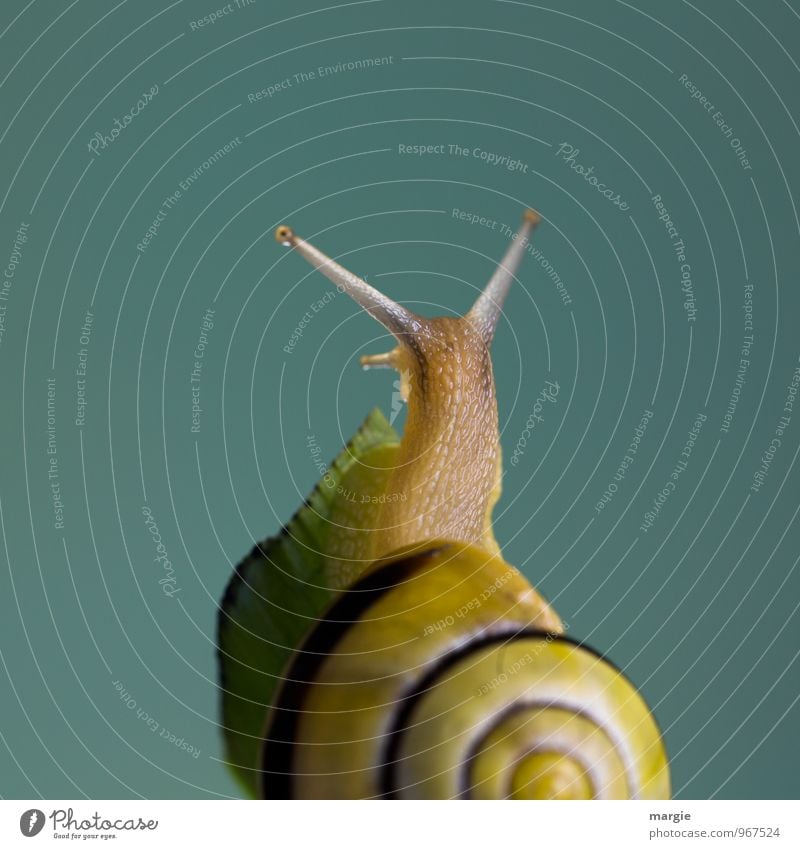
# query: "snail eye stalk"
(486, 310)
(398, 320)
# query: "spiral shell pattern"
(443, 674)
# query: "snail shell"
(442, 674)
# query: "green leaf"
(283, 586)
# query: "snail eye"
(284, 235)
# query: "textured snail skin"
(440, 672)
(448, 461)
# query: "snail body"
(438, 671)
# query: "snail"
(437, 671)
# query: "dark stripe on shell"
(277, 779)
(389, 788)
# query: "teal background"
(700, 610)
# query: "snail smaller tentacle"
(386, 360)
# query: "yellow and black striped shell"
(442, 674)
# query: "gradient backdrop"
(126, 246)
